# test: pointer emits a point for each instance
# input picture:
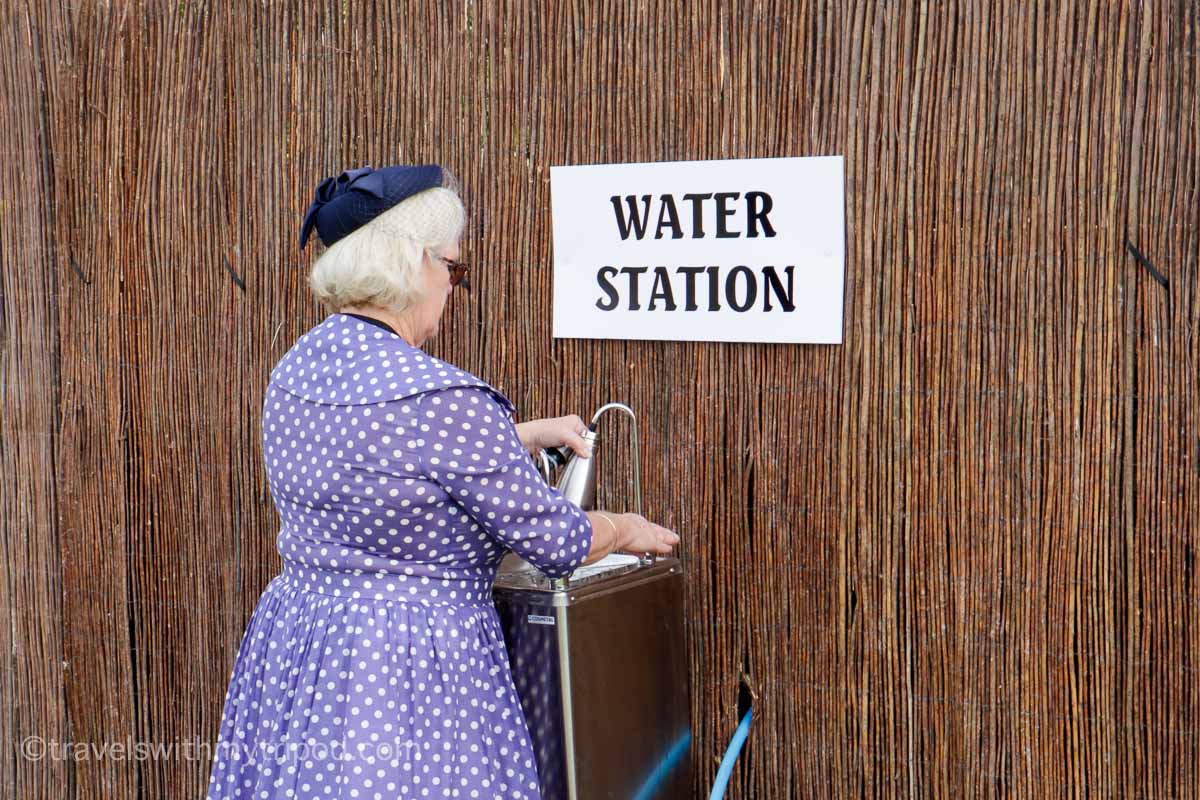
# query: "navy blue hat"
(346, 203)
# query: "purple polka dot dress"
(373, 665)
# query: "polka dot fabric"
(374, 665)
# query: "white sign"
(747, 250)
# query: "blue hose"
(731, 754)
(651, 785)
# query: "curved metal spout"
(637, 461)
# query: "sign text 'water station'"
(746, 250)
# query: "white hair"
(381, 262)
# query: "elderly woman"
(373, 665)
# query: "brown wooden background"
(954, 556)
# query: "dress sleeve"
(469, 446)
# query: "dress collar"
(345, 361)
(371, 321)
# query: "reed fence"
(952, 557)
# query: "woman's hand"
(555, 432)
(636, 534)
(629, 533)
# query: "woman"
(373, 666)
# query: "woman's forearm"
(606, 536)
(525, 432)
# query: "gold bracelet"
(606, 518)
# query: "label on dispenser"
(540, 619)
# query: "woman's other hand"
(567, 431)
(636, 534)
(628, 533)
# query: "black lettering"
(697, 201)
(624, 225)
(633, 273)
(607, 287)
(662, 290)
(691, 273)
(714, 293)
(724, 212)
(774, 284)
(731, 288)
(668, 209)
(758, 205)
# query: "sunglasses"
(458, 272)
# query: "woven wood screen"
(954, 556)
